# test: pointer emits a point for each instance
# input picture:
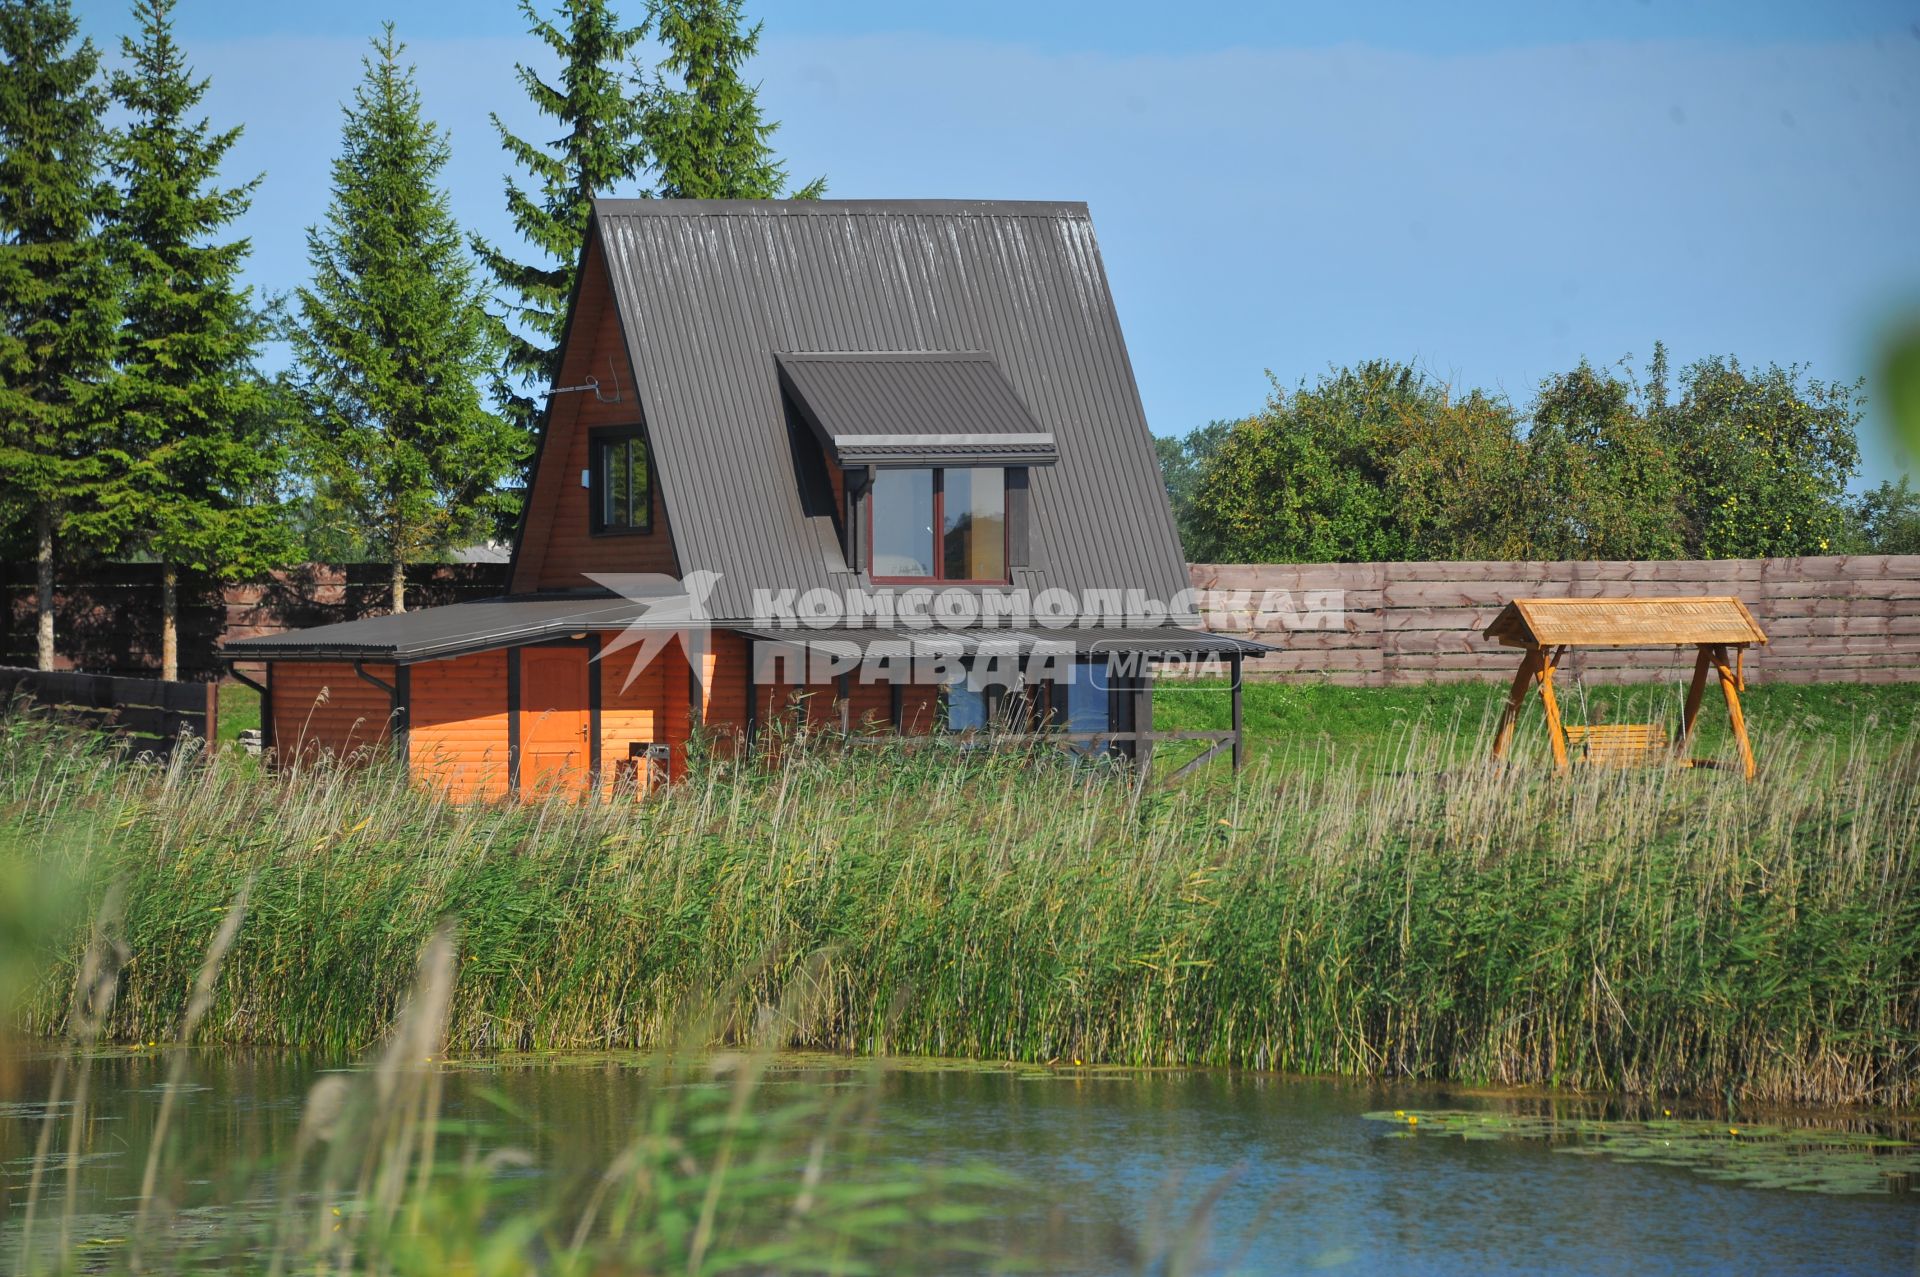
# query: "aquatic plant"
(1645, 931)
(1801, 1158)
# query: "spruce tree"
(702, 126)
(191, 478)
(692, 130)
(598, 150)
(392, 338)
(57, 294)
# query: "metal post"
(1239, 734)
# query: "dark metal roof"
(1164, 640)
(443, 631)
(875, 408)
(710, 291)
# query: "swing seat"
(1618, 744)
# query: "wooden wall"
(657, 707)
(558, 547)
(457, 724)
(1842, 618)
(324, 707)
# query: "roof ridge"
(949, 207)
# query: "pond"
(1289, 1175)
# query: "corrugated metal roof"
(872, 408)
(1657, 622)
(443, 631)
(1165, 640)
(709, 291)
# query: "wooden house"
(851, 463)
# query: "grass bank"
(1650, 931)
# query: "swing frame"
(1720, 629)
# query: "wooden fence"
(149, 714)
(1844, 618)
(107, 615)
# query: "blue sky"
(1492, 191)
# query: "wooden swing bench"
(1720, 628)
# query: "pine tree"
(393, 336)
(702, 125)
(191, 477)
(57, 294)
(599, 150)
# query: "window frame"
(597, 439)
(939, 531)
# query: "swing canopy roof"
(1663, 622)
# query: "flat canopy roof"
(1661, 622)
(1086, 640)
(436, 632)
(459, 628)
(916, 408)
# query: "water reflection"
(1287, 1174)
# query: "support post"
(1143, 723)
(1729, 686)
(1556, 731)
(753, 701)
(1239, 734)
(1516, 697)
(846, 705)
(1696, 691)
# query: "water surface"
(1113, 1162)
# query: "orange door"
(554, 722)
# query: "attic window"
(620, 480)
(945, 524)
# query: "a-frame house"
(879, 466)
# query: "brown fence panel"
(149, 714)
(1838, 618)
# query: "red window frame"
(939, 532)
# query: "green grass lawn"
(1320, 718)
(239, 710)
(1285, 718)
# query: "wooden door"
(554, 721)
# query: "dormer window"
(939, 524)
(620, 480)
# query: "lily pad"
(1805, 1159)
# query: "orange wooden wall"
(728, 660)
(457, 725)
(557, 548)
(323, 707)
(656, 707)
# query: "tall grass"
(1651, 931)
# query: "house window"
(945, 524)
(620, 479)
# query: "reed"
(1647, 931)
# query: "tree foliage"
(691, 129)
(58, 297)
(393, 337)
(701, 122)
(1377, 461)
(598, 151)
(191, 469)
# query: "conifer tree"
(191, 474)
(392, 338)
(598, 151)
(702, 126)
(691, 130)
(57, 294)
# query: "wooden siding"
(558, 548)
(656, 708)
(324, 707)
(457, 725)
(1828, 619)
